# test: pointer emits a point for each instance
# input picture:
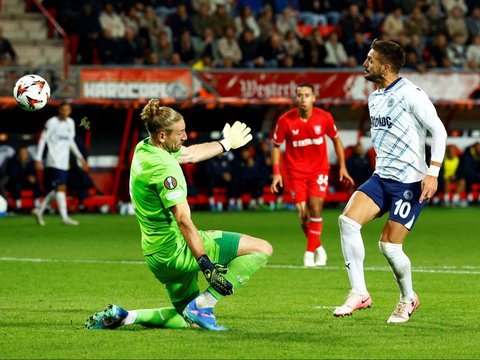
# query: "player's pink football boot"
(403, 311)
(352, 303)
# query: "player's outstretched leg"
(114, 316)
(110, 318)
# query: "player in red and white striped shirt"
(304, 130)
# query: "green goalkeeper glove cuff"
(214, 275)
(235, 136)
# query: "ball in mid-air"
(31, 92)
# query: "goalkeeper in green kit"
(174, 250)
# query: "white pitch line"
(466, 269)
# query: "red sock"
(313, 234)
(305, 228)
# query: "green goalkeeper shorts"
(180, 272)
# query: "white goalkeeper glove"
(235, 136)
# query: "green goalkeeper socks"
(166, 317)
(241, 268)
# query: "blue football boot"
(203, 317)
(110, 318)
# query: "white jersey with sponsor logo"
(400, 116)
(59, 136)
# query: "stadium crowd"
(269, 33)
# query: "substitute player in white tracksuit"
(400, 115)
(59, 137)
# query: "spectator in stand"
(207, 44)
(414, 63)
(350, 23)
(110, 20)
(131, 18)
(23, 176)
(473, 22)
(176, 60)
(281, 5)
(131, 48)
(184, 47)
(6, 153)
(417, 46)
(246, 20)
(151, 26)
(247, 179)
(266, 23)
(371, 24)
(357, 49)
(287, 62)
(202, 19)
(227, 63)
(336, 54)
(312, 13)
(108, 48)
(179, 21)
(228, 46)
(314, 50)
(456, 24)
(286, 20)
(393, 25)
(358, 166)
(322, 8)
(250, 48)
(255, 5)
(273, 51)
(438, 53)
(448, 5)
(88, 30)
(152, 59)
(417, 24)
(293, 48)
(468, 171)
(436, 21)
(6, 49)
(205, 62)
(457, 52)
(473, 53)
(449, 169)
(220, 20)
(162, 47)
(219, 174)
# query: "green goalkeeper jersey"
(156, 184)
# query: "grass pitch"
(54, 277)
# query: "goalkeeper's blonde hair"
(159, 118)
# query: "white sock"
(46, 201)
(62, 204)
(353, 253)
(206, 300)
(131, 318)
(400, 264)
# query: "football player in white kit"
(400, 116)
(59, 136)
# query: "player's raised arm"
(234, 136)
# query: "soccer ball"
(31, 92)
